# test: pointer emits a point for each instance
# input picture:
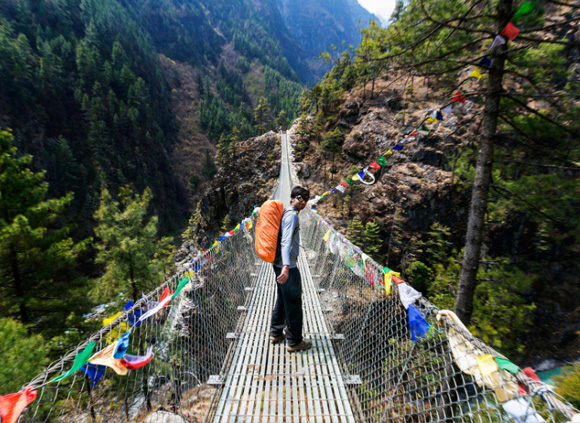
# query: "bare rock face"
(247, 179)
(164, 417)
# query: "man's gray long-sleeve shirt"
(289, 238)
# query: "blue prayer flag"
(439, 115)
(122, 345)
(133, 319)
(485, 61)
(94, 372)
(417, 323)
(397, 147)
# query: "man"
(287, 316)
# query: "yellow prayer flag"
(487, 365)
(356, 178)
(430, 119)
(326, 236)
(389, 280)
(249, 226)
(237, 228)
(109, 320)
(475, 73)
(388, 153)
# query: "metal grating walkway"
(265, 383)
(268, 384)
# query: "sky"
(382, 8)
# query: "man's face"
(299, 202)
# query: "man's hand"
(284, 274)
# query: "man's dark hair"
(301, 192)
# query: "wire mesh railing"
(187, 340)
(403, 359)
(443, 374)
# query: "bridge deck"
(265, 383)
(268, 384)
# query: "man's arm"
(289, 223)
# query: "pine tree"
(262, 115)
(223, 147)
(127, 247)
(226, 223)
(355, 232)
(37, 258)
(189, 233)
(372, 239)
(282, 119)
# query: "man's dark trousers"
(288, 309)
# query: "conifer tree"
(262, 115)
(282, 120)
(37, 258)
(372, 239)
(134, 259)
(355, 232)
(226, 223)
(189, 233)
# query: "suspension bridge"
(213, 362)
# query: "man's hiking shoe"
(303, 346)
(276, 339)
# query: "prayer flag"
(80, 359)
(237, 228)
(374, 165)
(485, 61)
(459, 97)
(487, 365)
(507, 365)
(521, 411)
(326, 236)
(133, 318)
(418, 325)
(349, 181)
(155, 309)
(105, 358)
(232, 232)
(122, 345)
(340, 188)
(221, 238)
(133, 362)
(389, 275)
(447, 110)
(356, 178)
(382, 161)
(94, 372)
(181, 285)
(430, 119)
(344, 184)
(526, 8)
(332, 191)
(398, 280)
(107, 321)
(388, 153)
(412, 134)
(408, 294)
(12, 405)
(475, 73)
(361, 174)
(424, 128)
(439, 115)
(498, 41)
(398, 147)
(166, 293)
(510, 31)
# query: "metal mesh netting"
(447, 376)
(189, 342)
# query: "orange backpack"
(267, 228)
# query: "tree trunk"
(478, 208)
(18, 286)
(373, 88)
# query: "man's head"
(299, 197)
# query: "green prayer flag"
(507, 365)
(382, 161)
(349, 181)
(526, 8)
(386, 269)
(182, 283)
(81, 359)
(424, 128)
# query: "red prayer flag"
(412, 134)
(374, 165)
(166, 293)
(510, 31)
(344, 184)
(398, 280)
(459, 97)
(232, 232)
(12, 405)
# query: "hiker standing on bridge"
(288, 313)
